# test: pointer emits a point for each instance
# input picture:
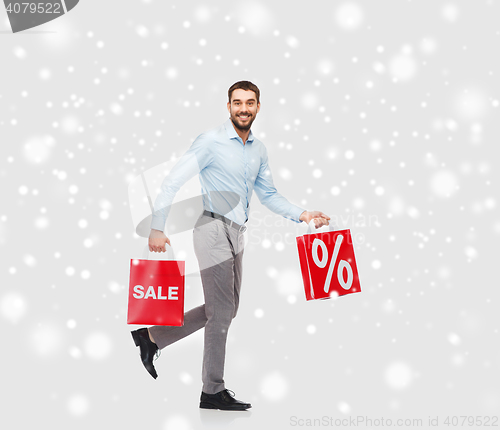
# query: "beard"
(240, 126)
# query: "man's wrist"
(303, 216)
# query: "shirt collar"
(231, 132)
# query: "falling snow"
(387, 125)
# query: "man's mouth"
(244, 117)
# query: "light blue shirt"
(229, 173)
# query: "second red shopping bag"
(328, 265)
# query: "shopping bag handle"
(311, 225)
(169, 249)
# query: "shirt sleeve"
(269, 196)
(196, 158)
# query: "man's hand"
(157, 240)
(320, 219)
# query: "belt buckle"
(242, 228)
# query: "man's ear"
(229, 107)
(258, 107)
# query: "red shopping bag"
(328, 265)
(156, 292)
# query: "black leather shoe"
(148, 349)
(222, 400)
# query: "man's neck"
(243, 134)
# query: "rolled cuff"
(295, 214)
(158, 223)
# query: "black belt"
(230, 223)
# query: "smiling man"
(243, 109)
(232, 164)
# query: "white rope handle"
(311, 223)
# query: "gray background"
(381, 114)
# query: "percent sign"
(324, 259)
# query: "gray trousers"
(219, 250)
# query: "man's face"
(243, 108)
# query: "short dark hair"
(244, 85)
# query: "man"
(232, 163)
